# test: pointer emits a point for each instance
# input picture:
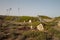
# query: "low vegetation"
(22, 31)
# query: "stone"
(31, 27)
(30, 21)
(40, 27)
(58, 23)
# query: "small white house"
(40, 27)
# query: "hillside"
(19, 28)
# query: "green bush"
(35, 23)
(37, 35)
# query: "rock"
(30, 21)
(31, 27)
(58, 24)
(40, 27)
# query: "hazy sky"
(30, 7)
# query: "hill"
(18, 28)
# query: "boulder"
(58, 24)
(40, 27)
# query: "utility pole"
(8, 11)
(18, 11)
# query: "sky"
(30, 7)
